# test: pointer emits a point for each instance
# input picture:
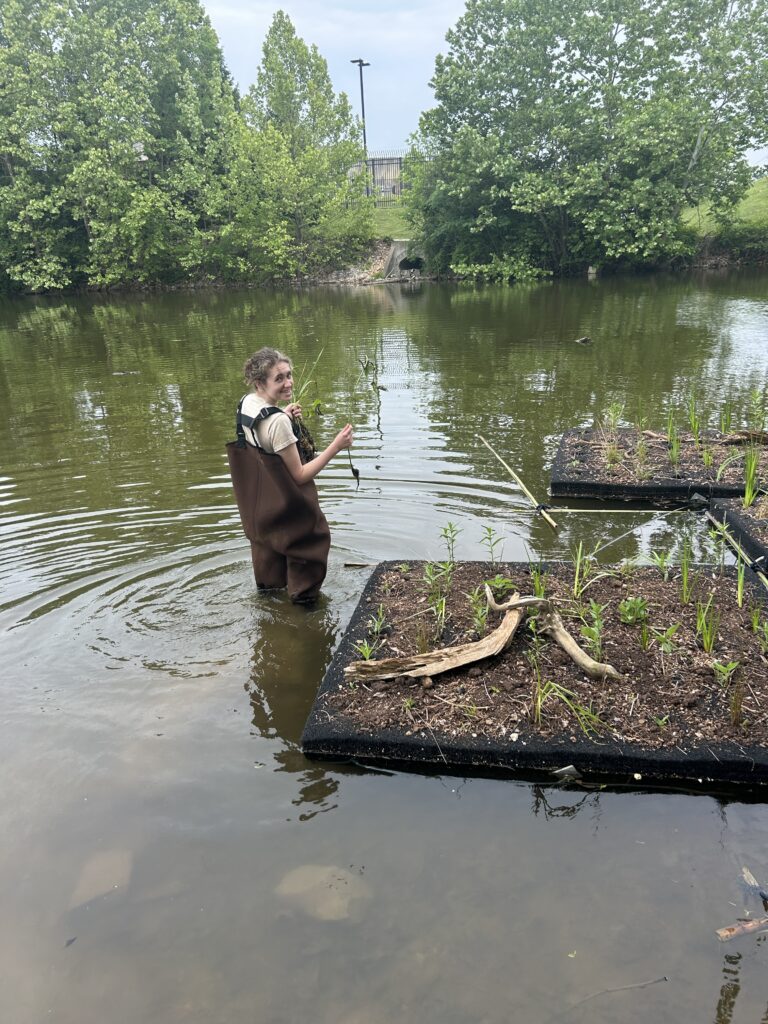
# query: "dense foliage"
(125, 157)
(574, 133)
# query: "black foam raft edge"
(330, 736)
(564, 484)
(741, 526)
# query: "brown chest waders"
(289, 534)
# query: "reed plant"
(585, 570)
(587, 720)
(756, 410)
(539, 579)
(707, 624)
(694, 422)
(741, 572)
(751, 483)
(687, 578)
(673, 439)
(726, 416)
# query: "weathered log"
(746, 437)
(741, 928)
(434, 662)
(552, 626)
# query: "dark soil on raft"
(633, 457)
(665, 701)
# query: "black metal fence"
(385, 171)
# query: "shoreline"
(369, 270)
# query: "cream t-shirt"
(273, 433)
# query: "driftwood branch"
(755, 924)
(551, 625)
(443, 660)
(446, 658)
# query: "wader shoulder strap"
(251, 421)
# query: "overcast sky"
(400, 38)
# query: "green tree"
(316, 206)
(115, 121)
(573, 133)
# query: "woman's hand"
(344, 438)
(293, 410)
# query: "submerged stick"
(539, 508)
(741, 928)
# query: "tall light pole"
(362, 64)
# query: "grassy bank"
(390, 222)
(745, 238)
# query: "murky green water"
(155, 804)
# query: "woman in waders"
(273, 466)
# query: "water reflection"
(287, 665)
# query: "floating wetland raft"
(621, 463)
(672, 685)
(748, 526)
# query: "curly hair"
(257, 367)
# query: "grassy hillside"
(752, 212)
(390, 222)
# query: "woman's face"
(278, 387)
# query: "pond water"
(168, 854)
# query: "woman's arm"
(302, 474)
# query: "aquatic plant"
(479, 609)
(664, 638)
(751, 485)
(593, 633)
(756, 415)
(724, 672)
(673, 440)
(661, 560)
(377, 622)
(633, 610)
(492, 541)
(740, 581)
(693, 419)
(539, 579)
(687, 582)
(584, 569)
(366, 649)
(450, 533)
(726, 416)
(612, 415)
(588, 721)
(707, 624)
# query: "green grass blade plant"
(707, 624)
(751, 484)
